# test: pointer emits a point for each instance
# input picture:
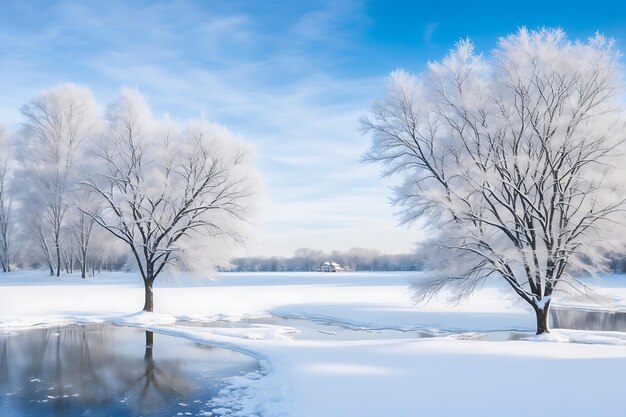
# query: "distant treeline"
(357, 259)
(305, 259)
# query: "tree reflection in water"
(159, 382)
(66, 371)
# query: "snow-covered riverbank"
(445, 375)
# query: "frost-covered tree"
(105, 253)
(513, 157)
(85, 206)
(366, 259)
(6, 203)
(309, 259)
(56, 124)
(175, 196)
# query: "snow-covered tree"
(56, 124)
(176, 196)
(6, 203)
(105, 253)
(363, 258)
(309, 259)
(513, 157)
(85, 206)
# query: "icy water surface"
(105, 370)
(588, 320)
(322, 329)
(313, 329)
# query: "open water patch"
(107, 370)
(580, 319)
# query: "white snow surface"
(573, 373)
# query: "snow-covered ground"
(459, 373)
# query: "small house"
(330, 267)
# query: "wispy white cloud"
(429, 34)
(327, 23)
(273, 85)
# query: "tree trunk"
(149, 295)
(543, 315)
(58, 261)
(83, 264)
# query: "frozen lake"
(331, 345)
(313, 329)
(106, 370)
(316, 329)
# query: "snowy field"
(469, 367)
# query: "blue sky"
(292, 77)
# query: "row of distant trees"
(81, 189)
(359, 259)
(43, 211)
(306, 260)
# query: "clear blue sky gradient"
(292, 77)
